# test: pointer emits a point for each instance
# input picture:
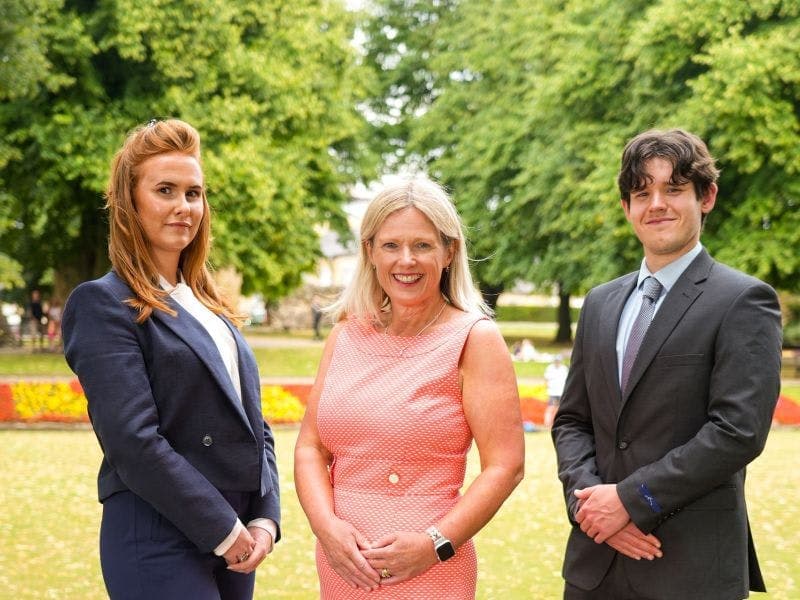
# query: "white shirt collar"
(167, 286)
(668, 275)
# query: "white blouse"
(212, 323)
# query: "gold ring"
(385, 573)
(243, 556)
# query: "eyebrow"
(173, 184)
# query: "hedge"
(536, 314)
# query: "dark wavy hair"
(690, 159)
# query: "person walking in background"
(36, 319)
(674, 378)
(555, 376)
(411, 373)
(54, 324)
(316, 316)
(188, 480)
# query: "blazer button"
(207, 440)
(622, 445)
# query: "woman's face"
(169, 199)
(409, 256)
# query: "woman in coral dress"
(411, 374)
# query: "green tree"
(532, 105)
(272, 86)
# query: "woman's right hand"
(241, 549)
(342, 544)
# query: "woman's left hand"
(401, 555)
(263, 546)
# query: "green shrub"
(538, 314)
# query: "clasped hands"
(603, 517)
(365, 565)
(249, 550)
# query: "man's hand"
(633, 543)
(601, 513)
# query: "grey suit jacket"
(165, 412)
(698, 409)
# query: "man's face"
(666, 217)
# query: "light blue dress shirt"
(667, 276)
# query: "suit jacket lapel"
(248, 380)
(188, 329)
(682, 295)
(609, 324)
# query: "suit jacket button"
(207, 440)
(622, 445)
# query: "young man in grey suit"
(674, 378)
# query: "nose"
(406, 255)
(657, 201)
(183, 204)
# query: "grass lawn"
(301, 361)
(296, 355)
(290, 361)
(50, 522)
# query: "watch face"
(445, 550)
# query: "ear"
(368, 250)
(708, 201)
(626, 207)
(451, 252)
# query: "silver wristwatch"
(444, 547)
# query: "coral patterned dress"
(391, 415)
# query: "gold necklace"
(416, 335)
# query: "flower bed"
(60, 402)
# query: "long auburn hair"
(128, 247)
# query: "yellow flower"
(279, 406)
(48, 402)
(527, 390)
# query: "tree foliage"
(271, 85)
(531, 104)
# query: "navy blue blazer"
(166, 414)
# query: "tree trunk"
(564, 333)
(86, 258)
(491, 292)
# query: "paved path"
(269, 341)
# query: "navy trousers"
(145, 557)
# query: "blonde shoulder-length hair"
(128, 247)
(363, 297)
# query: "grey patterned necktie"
(650, 292)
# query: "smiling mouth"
(407, 278)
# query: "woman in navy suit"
(188, 480)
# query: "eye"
(424, 245)
(165, 189)
(389, 245)
(194, 194)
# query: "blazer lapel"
(248, 379)
(188, 329)
(682, 295)
(609, 323)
